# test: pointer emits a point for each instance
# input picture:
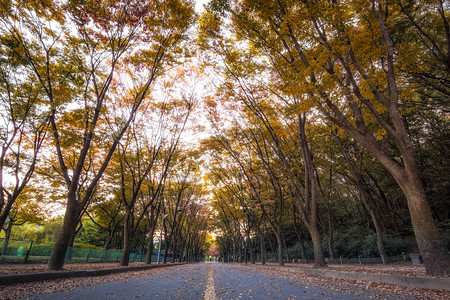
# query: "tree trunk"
(280, 246)
(107, 244)
(148, 257)
(262, 249)
(310, 195)
(166, 242)
(127, 239)
(69, 251)
(330, 244)
(174, 251)
(166, 249)
(317, 245)
(234, 251)
(252, 253)
(245, 251)
(7, 237)
(285, 248)
(432, 249)
(298, 232)
(434, 254)
(249, 243)
(303, 249)
(56, 261)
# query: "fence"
(341, 260)
(29, 251)
(359, 260)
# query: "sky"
(199, 5)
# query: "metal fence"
(29, 251)
(358, 260)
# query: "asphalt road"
(204, 281)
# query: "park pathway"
(209, 281)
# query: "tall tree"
(147, 151)
(24, 121)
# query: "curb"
(30, 277)
(420, 282)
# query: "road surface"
(208, 281)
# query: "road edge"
(420, 282)
(41, 276)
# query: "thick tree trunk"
(56, 261)
(174, 251)
(69, 253)
(431, 246)
(127, 240)
(148, 256)
(319, 260)
(107, 244)
(310, 195)
(280, 247)
(434, 254)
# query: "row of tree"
(92, 117)
(327, 102)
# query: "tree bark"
(57, 258)
(7, 236)
(262, 249)
(434, 254)
(252, 254)
(127, 239)
(317, 245)
(280, 246)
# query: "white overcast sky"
(199, 5)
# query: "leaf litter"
(358, 287)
